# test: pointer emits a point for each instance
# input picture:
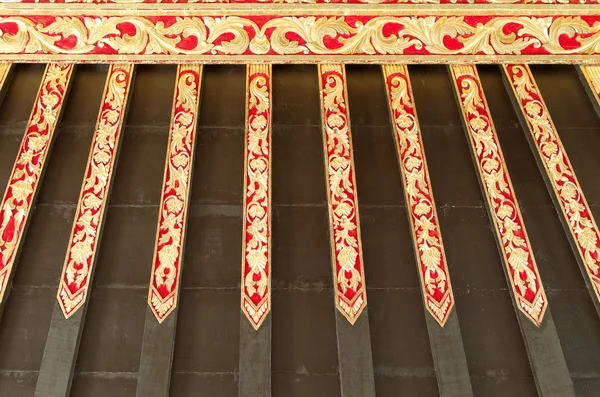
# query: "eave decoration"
(256, 255)
(172, 220)
(276, 31)
(89, 216)
(346, 246)
(24, 181)
(425, 226)
(513, 241)
(546, 143)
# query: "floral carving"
(83, 244)
(256, 272)
(349, 280)
(575, 209)
(236, 37)
(427, 238)
(518, 258)
(166, 267)
(30, 163)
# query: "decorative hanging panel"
(89, 216)
(560, 172)
(174, 203)
(426, 234)
(24, 181)
(348, 271)
(256, 262)
(517, 254)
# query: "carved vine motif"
(435, 280)
(274, 35)
(560, 172)
(506, 215)
(256, 282)
(350, 291)
(31, 160)
(166, 268)
(83, 243)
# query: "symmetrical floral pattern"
(349, 278)
(427, 237)
(256, 264)
(83, 244)
(166, 267)
(203, 35)
(508, 223)
(30, 163)
(592, 75)
(550, 150)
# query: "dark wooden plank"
(255, 358)
(543, 347)
(60, 354)
(156, 359)
(449, 357)
(355, 357)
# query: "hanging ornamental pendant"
(426, 233)
(560, 173)
(346, 248)
(174, 202)
(256, 261)
(24, 181)
(505, 214)
(89, 216)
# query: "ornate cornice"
(276, 33)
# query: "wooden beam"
(27, 173)
(255, 340)
(352, 322)
(442, 322)
(68, 317)
(554, 164)
(526, 288)
(161, 316)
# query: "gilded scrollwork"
(166, 267)
(31, 160)
(518, 258)
(350, 291)
(256, 271)
(129, 2)
(427, 238)
(83, 244)
(568, 192)
(239, 36)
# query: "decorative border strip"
(256, 262)
(518, 257)
(243, 36)
(89, 218)
(592, 76)
(159, 2)
(346, 246)
(560, 172)
(426, 233)
(31, 161)
(174, 202)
